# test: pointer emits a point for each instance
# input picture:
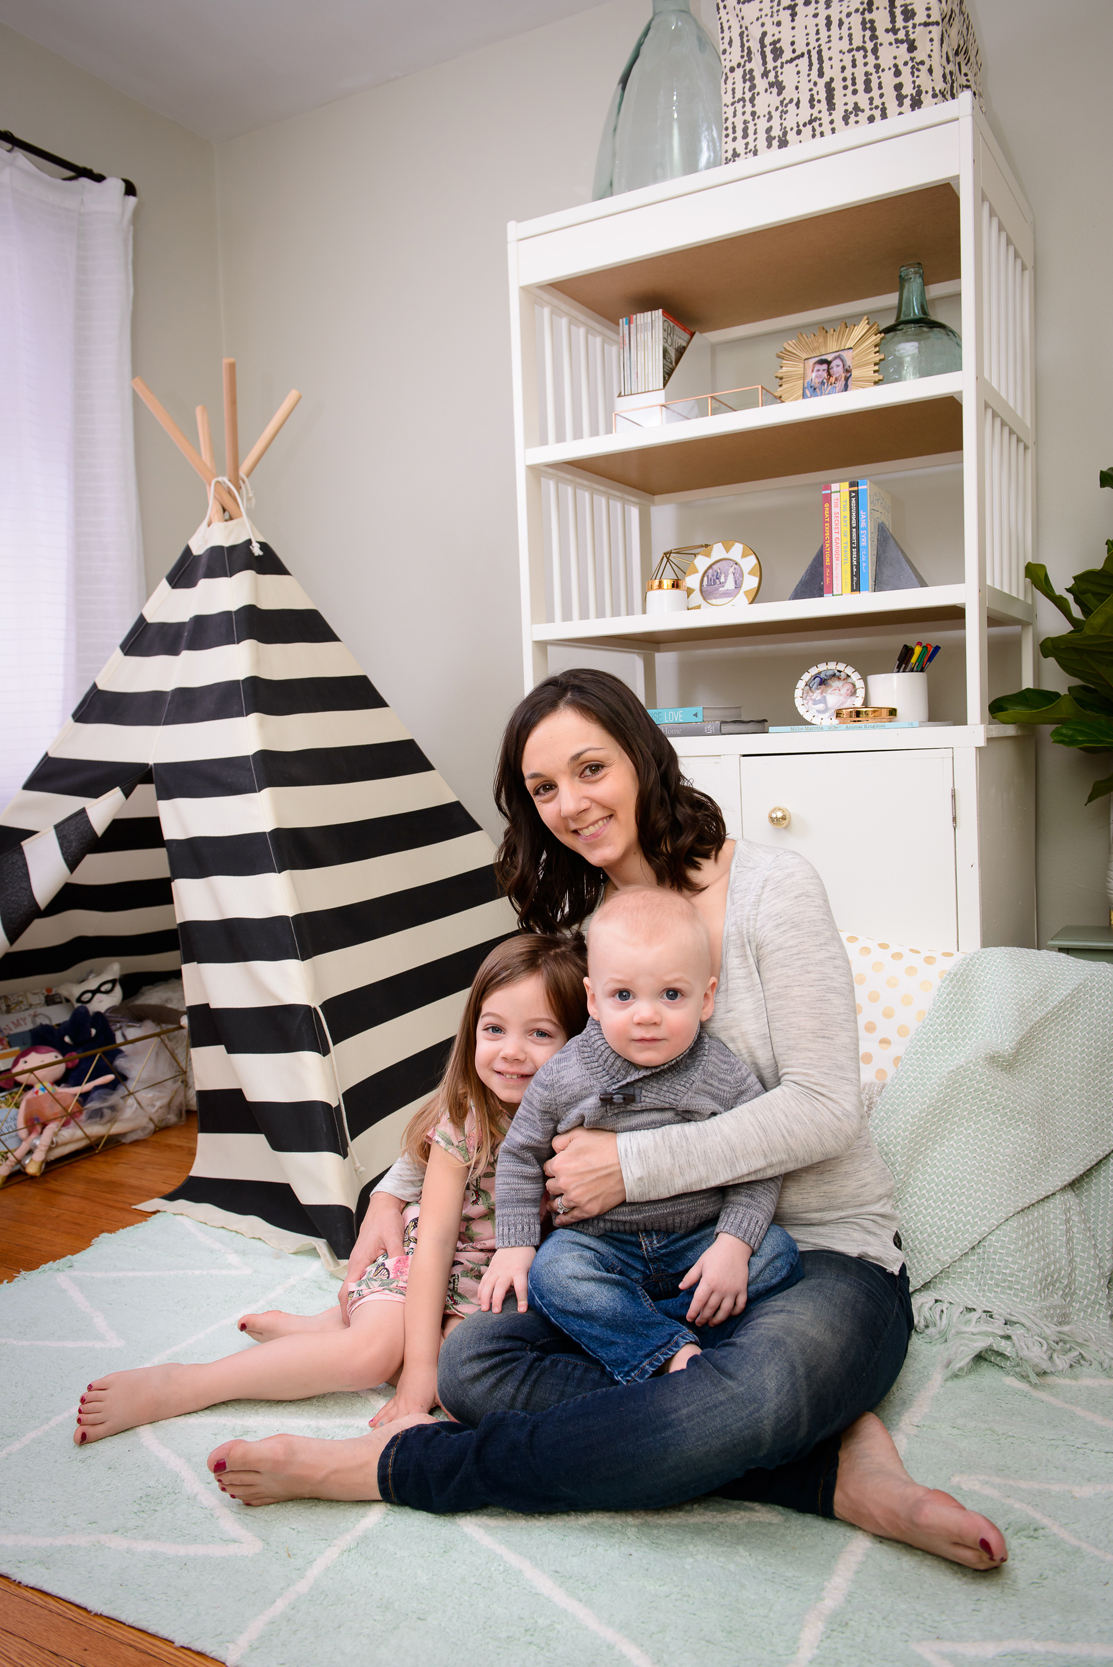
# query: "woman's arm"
(438, 1233)
(791, 1000)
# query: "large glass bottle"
(666, 116)
(916, 344)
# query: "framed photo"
(825, 362)
(722, 574)
(826, 688)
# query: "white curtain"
(70, 556)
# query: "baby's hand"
(723, 1272)
(508, 1268)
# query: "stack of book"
(650, 346)
(706, 720)
(853, 513)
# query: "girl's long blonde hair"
(561, 962)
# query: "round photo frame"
(723, 575)
(826, 688)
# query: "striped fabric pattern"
(233, 782)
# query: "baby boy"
(614, 1282)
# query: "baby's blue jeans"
(618, 1294)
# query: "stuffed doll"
(83, 1031)
(46, 1106)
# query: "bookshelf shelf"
(901, 420)
(799, 621)
(748, 254)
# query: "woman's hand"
(416, 1393)
(381, 1231)
(584, 1175)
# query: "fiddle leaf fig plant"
(1083, 717)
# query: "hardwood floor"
(59, 1214)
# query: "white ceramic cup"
(906, 690)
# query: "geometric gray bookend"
(893, 570)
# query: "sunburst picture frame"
(824, 362)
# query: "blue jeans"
(619, 1296)
(757, 1417)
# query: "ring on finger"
(560, 1206)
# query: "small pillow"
(894, 987)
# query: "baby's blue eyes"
(673, 995)
(668, 995)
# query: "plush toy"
(98, 988)
(83, 1031)
(45, 1108)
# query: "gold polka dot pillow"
(894, 986)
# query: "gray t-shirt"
(785, 1003)
(588, 1085)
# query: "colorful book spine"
(844, 520)
(676, 714)
(865, 562)
(855, 555)
(836, 541)
(827, 574)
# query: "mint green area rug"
(134, 1527)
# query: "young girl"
(528, 998)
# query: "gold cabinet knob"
(779, 817)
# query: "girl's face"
(584, 788)
(515, 1035)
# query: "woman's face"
(584, 788)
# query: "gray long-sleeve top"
(587, 1085)
(785, 1003)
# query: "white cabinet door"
(718, 778)
(878, 826)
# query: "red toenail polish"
(221, 1464)
(986, 1547)
(88, 1386)
(243, 1327)
(84, 1435)
(82, 1401)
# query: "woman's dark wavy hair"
(678, 826)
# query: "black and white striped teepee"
(232, 783)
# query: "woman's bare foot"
(297, 1467)
(875, 1492)
(121, 1400)
(275, 1323)
(682, 1356)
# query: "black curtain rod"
(75, 168)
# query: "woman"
(777, 1406)
(839, 374)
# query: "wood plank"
(63, 1211)
(38, 1630)
(801, 266)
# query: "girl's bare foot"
(274, 1323)
(875, 1492)
(297, 1467)
(121, 1400)
(682, 1356)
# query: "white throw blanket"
(999, 1129)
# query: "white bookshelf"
(748, 255)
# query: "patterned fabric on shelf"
(804, 69)
(894, 986)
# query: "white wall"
(176, 318)
(1047, 95)
(364, 262)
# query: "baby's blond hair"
(648, 913)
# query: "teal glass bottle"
(666, 116)
(916, 344)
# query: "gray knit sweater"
(587, 1085)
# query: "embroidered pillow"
(894, 985)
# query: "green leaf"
(1105, 478)
(1037, 572)
(1035, 706)
(1091, 700)
(1086, 657)
(1092, 588)
(1100, 788)
(1100, 622)
(1091, 733)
